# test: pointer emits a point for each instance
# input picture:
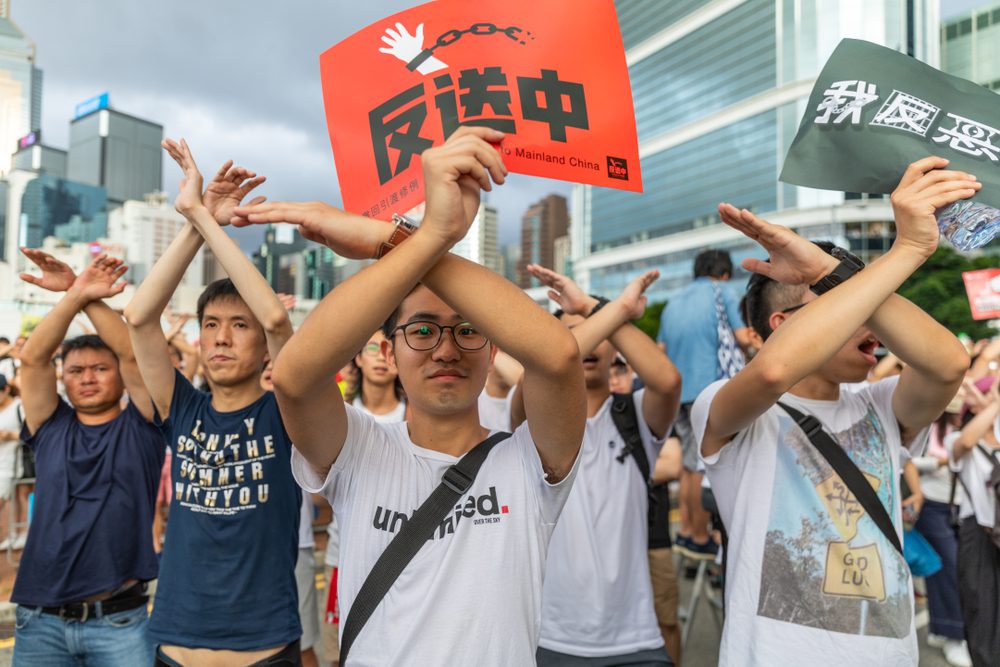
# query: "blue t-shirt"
(689, 329)
(227, 579)
(95, 493)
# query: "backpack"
(626, 420)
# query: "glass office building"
(719, 87)
(970, 46)
(73, 212)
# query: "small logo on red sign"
(618, 168)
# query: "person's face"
(93, 382)
(444, 380)
(233, 347)
(853, 361)
(265, 377)
(621, 379)
(375, 367)
(597, 364)
(19, 343)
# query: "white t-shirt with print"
(974, 469)
(472, 595)
(494, 413)
(332, 556)
(598, 597)
(811, 579)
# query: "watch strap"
(403, 230)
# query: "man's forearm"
(653, 367)
(343, 321)
(795, 349)
(111, 328)
(153, 294)
(919, 341)
(51, 331)
(249, 282)
(478, 293)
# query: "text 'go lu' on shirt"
(95, 490)
(227, 579)
(472, 595)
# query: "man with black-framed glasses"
(472, 593)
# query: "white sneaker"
(937, 641)
(957, 653)
(20, 541)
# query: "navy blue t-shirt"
(95, 493)
(227, 579)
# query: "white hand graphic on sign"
(407, 47)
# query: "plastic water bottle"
(969, 225)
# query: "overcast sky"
(239, 79)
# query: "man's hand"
(926, 188)
(793, 259)
(100, 279)
(287, 300)
(189, 197)
(349, 235)
(227, 189)
(571, 299)
(454, 173)
(634, 298)
(56, 276)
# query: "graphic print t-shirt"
(598, 597)
(227, 579)
(472, 595)
(811, 579)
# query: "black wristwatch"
(849, 265)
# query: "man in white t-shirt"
(811, 580)
(472, 594)
(597, 603)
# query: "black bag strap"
(848, 471)
(627, 422)
(412, 536)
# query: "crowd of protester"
(207, 465)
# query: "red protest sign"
(983, 288)
(552, 75)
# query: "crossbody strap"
(627, 422)
(848, 471)
(412, 536)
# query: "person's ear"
(388, 351)
(775, 320)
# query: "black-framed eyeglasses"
(792, 309)
(423, 335)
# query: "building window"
(965, 27)
(983, 21)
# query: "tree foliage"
(938, 289)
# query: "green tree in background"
(649, 323)
(937, 287)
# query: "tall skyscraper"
(480, 243)
(541, 225)
(116, 151)
(970, 45)
(20, 87)
(278, 259)
(719, 88)
(145, 229)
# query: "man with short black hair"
(227, 592)
(806, 476)
(702, 330)
(80, 588)
(597, 602)
(472, 593)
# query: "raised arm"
(142, 315)
(794, 350)
(104, 272)
(98, 281)
(249, 282)
(979, 426)
(304, 374)
(659, 375)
